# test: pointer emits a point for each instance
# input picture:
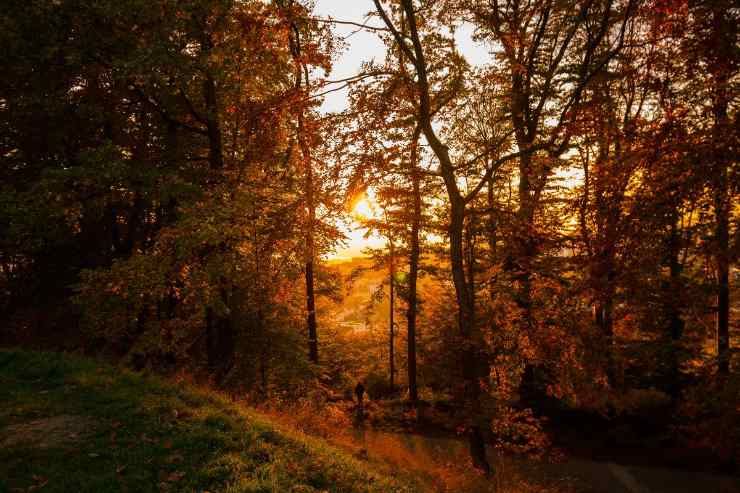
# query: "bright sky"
(364, 46)
(364, 208)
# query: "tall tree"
(414, 254)
(722, 60)
(551, 52)
(303, 89)
(473, 347)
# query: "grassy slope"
(153, 436)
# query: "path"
(428, 454)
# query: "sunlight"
(357, 236)
(366, 207)
(469, 245)
(363, 209)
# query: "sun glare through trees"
(370, 245)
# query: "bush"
(377, 386)
(519, 432)
(639, 402)
(708, 416)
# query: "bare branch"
(497, 164)
(350, 23)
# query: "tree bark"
(313, 342)
(523, 255)
(604, 320)
(722, 238)
(391, 334)
(492, 226)
(722, 40)
(413, 276)
(219, 341)
(219, 329)
(675, 321)
(723, 292)
(302, 83)
(471, 341)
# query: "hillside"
(69, 424)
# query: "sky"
(363, 46)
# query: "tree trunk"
(313, 343)
(215, 148)
(413, 276)
(219, 329)
(491, 221)
(529, 388)
(391, 281)
(220, 344)
(264, 384)
(301, 78)
(723, 273)
(604, 320)
(472, 344)
(525, 229)
(722, 40)
(471, 341)
(135, 219)
(675, 321)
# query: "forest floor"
(440, 460)
(572, 474)
(73, 425)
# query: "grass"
(71, 424)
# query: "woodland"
(552, 236)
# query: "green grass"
(136, 434)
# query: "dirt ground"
(55, 432)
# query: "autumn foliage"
(556, 226)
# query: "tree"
(720, 56)
(180, 165)
(414, 254)
(550, 57)
(472, 341)
(303, 90)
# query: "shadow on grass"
(115, 430)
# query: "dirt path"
(609, 477)
(430, 455)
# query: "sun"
(362, 209)
(365, 208)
